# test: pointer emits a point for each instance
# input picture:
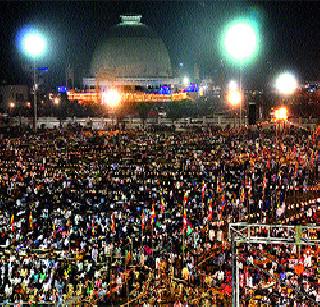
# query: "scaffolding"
(245, 233)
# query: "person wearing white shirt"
(8, 290)
(82, 245)
(3, 270)
(76, 220)
(211, 234)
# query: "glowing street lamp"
(241, 41)
(234, 97)
(186, 81)
(111, 98)
(57, 102)
(233, 85)
(281, 114)
(240, 44)
(33, 44)
(11, 107)
(286, 83)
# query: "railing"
(275, 234)
(100, 122)
(245, 233)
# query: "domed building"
(132, 50)
(134, 60)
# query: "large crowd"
(105, 217)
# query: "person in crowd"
(99, 217)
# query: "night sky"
(190, 29)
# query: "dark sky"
(190, 29)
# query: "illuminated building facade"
(134, 60)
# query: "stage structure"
(245, 233)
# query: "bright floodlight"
(234, 97)
(233, 85)
(240, 41)
(12, 105)
(112, 98)
(186, 81)
(34, 43)
(286, 83)
(281, 113)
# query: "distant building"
(134, 60)
(132, 55)
(210, 88)
(12, 96)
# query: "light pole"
(34, 45)
(112, 99)
(57, 102)
(286, 84)
(280, 116)
(12, 105)
(234, 98)
(240, 44)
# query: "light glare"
(281, 113)
(233, 85)
(286, 83)
(240, 40)
(234, 97)
(34, 44)
(111, 98)
(186, 81)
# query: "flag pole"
(152, 230)
(202, 197)
(183, 235)
(142, 233)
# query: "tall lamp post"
(234, 98)
(34, 45)
(12, 105)
(286, 84)
(57, 102)
(240, 44)
(112, 99)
